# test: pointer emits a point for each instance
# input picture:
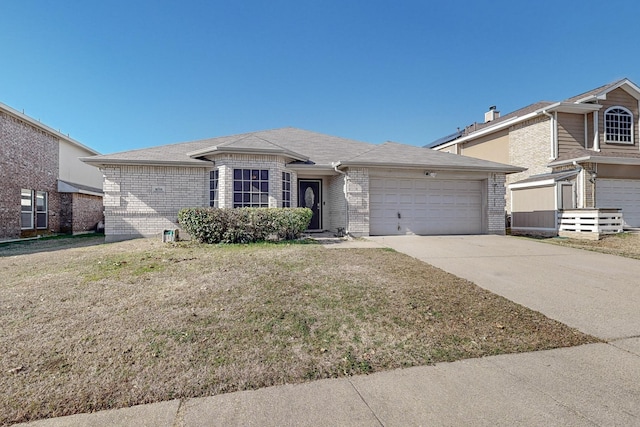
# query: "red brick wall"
(87, 212)
(29, 160)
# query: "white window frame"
(42, 210)
(624, 112)
(251, 184)
(286, 189)
(26, 195)
(214, 188)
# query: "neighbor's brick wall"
(145, 200)
(530, 147)
(29, 160)
(358, 201)
(496, 192)
(87, 212)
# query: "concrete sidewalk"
(590, 385)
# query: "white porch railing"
(597, 221)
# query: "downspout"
(554, 139)
(346, 200)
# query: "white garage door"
(620, 193)
(424, 206)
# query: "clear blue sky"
(125, 74)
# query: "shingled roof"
(301, 147)
(537, 107)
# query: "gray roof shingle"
(318, 148)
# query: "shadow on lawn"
(50, 244)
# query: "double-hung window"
(26, 210)
(214, 193)
(41, 210)
(618, 124)
(34, 205)
(251, 188)
(286, 189)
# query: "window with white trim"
(618, 125)
(286, 189)
(214, 193)
(251, 188)
(26, 209)
(42, 218)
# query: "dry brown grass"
(114, 325)
(623, 244)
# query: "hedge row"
(243, 225)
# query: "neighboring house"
(581, 153)
(45, 187)
(364, 188)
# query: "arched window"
(618, 125)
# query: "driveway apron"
(596, 293)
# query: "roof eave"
(490, 129)
(125, 162)
(570, 107)
(239, 150)
(603, 95)
(599, 159)
(462, 168)
(40, 125)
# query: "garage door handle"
(399, 216)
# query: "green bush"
(243, 225)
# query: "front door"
(309, 196)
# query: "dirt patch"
(115, 325)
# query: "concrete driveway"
(596, 293)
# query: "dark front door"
(309, 197)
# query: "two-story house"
(45, 187)
(580, 153)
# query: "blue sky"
(119, 75)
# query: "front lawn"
(623, 244)
(114, 325)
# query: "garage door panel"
(621, 194)
(426, 206)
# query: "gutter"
(554, 139)
(102, 163)
(346, 200)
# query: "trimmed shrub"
(243, 225)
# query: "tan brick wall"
(145, 200)
(496, 201)
(274, 164)
(358, 201)
(529, 147)
(336, 202)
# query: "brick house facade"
(31, 202)
(145, 189)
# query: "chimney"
(492, 114)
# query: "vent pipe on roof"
(492, 114)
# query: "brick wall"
(274, 164)
(496, 201)
(358, 201)
(337, 205)
(530, 147)
(145, 200)
(87, 212)
(29, 160)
